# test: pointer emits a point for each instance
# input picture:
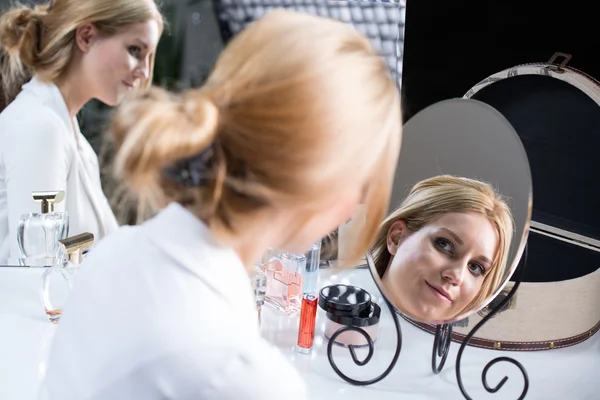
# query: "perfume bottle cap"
(73, 246)
(48, 199)
(345, 300)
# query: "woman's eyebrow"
(454, 235)
(485, 260)
(144, 44)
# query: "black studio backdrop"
(451, 45)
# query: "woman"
(445, 249)
(298, 123)
(76, 50)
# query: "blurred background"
(445, 49)
(197, 31)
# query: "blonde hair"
(442, 194)
(41, 40)
(296, 106)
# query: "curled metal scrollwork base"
(496, 360)
(441, 347)
(371, 345)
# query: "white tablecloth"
(570, 373)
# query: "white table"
(569, 374)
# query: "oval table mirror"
(459, 213)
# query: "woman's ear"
(395, 235)
(85, 35)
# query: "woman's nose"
(142, 70)
(454, 273)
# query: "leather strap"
(513, 346)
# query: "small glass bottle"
(57, 281)
(38, 233)
(54, 290)
(259, 285)
(284, 272)
(311, 274)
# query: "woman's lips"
(439, 292)
(128, 85)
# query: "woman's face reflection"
(438, 270)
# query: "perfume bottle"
(57, 281)
(38, 233)
(284, 272)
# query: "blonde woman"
(445, 249)
(75, 51)
(264, 154)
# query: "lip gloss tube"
(308, 312)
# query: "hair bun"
(156, 129)
(14, 25)
(200, 109)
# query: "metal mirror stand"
(441, 346)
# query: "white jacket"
(159, 311)
(41, 148)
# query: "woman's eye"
(477, 269)
(444, 244)
(134, 50)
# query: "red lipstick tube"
(308, 317)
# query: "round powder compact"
(345, 300)
(349, 306)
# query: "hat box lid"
(555, 110)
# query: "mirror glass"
(459, 213)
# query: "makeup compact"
(347, 305)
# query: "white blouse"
(159, 311)
(42, 149)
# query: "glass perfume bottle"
(57, 281)
(38, 233)
(284, 272)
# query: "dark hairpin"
(195, 171)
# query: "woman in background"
(297, 124)
(445, 249)
(75, 51)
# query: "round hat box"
(555, 110)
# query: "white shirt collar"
(189, 242)
(52, 97)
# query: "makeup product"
(38, 233)
(284, 272)
(57, 281)
(308, 317)
(347, 305)
(308, 313)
